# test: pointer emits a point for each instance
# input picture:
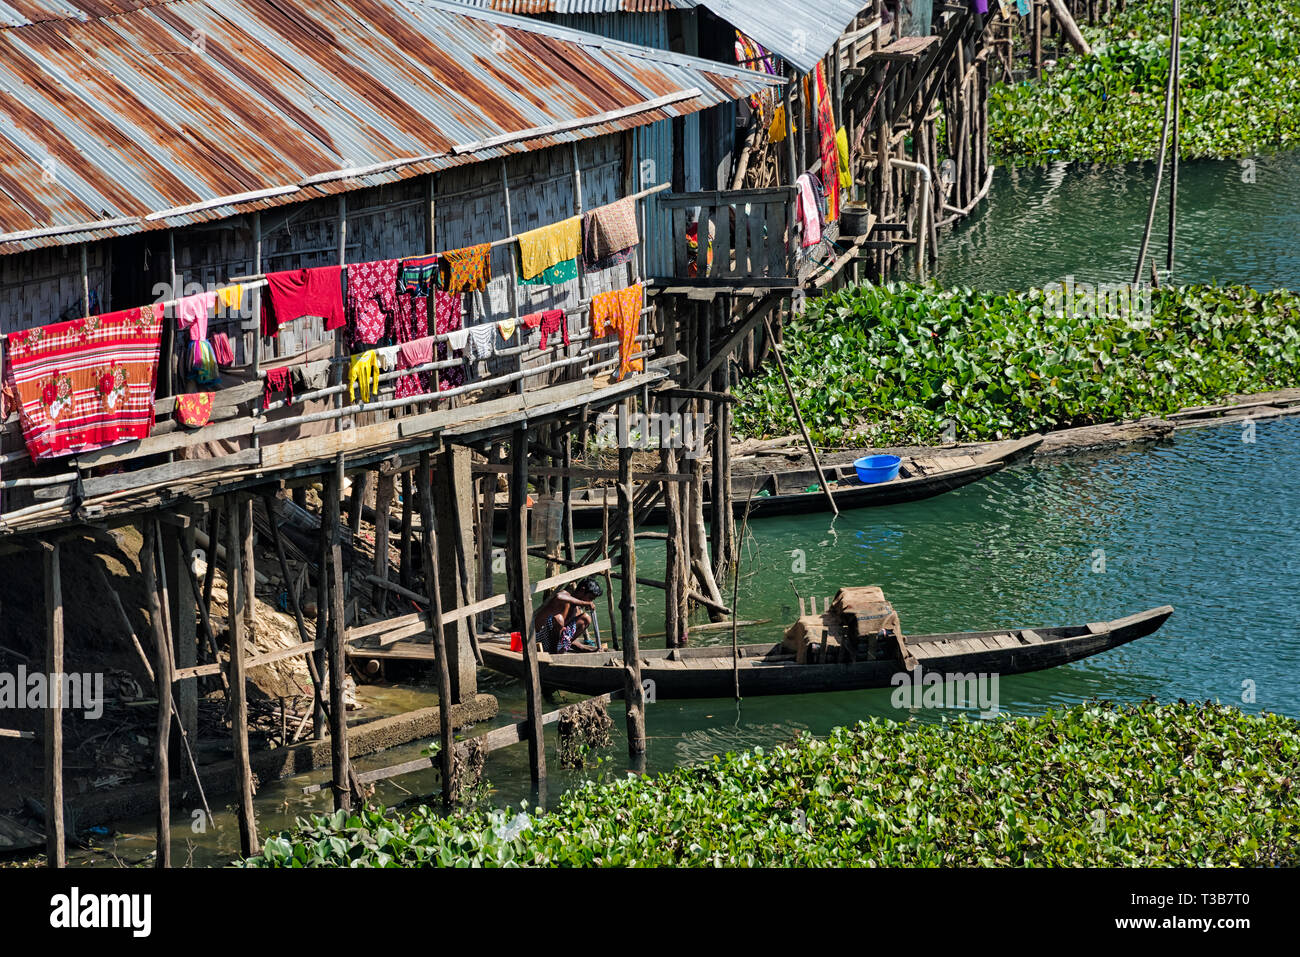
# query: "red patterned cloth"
(303, 292)
(448, 317)
(87, 383)
(410, 322)
(372, 298)
(277, 380)
(829, 150)
(194, 409)
(553, 321)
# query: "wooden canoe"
(706, 672)
(787, 492)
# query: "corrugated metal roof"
(18, 13)
(194, 110)
(799, 31)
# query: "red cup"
(516, 641)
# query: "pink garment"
(809, 212)
(222, 349)
(553, 321)
(192, 314)
(417, 352)
(372, 298)
(448, 317)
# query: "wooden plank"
(742, 241)
(1030, 636)
(167, 442)
(722, 242)
(184, 469)
(758, 258)
(432, 586)
(238, 692)
(521, 607)
(55, 849)
(283, 454)
(702, 243)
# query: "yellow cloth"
(231, 297)
(540, 249)
(364, 371)
(776, 132)
(507, 327)
(846, 169)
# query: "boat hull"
(765, 670)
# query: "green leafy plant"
(1093, 785)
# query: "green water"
(1206, 522)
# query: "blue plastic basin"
(878, 468)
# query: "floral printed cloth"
(372, 298)
(194, 409)
(466, 270)
(87, 383)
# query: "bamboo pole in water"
(1160, 155)
(1177, 67)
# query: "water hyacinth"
(1093, 785)
(905, 363)
(1240, 66)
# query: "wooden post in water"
(404, 571)
(433, 589)
(237, 597)
(56, 854)
(250, 565)
(338, 713)
(674, 624)
(521, 605)
(149, 558)
(383, 505)
(633, 691)
(320, 718)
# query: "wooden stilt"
(320, 719)
(360, 492)
(210, 570)
(237, 597)
(318, 688)
(404, 572)
(566, 500)
(434, 591)
(609, 584)
(674, 626)
(633, 691)
(55, 849)
(250, 566)
(486, 523)
(150, 554)
(521, 606)
(384, 491)
(338, 720)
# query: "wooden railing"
(744, 237)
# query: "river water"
(1207, 522)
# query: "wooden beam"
(336, 655)
(55, 849)
(446, 753)
(521, 609)
(632, 688)
(238, 690)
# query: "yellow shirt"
(232, 297)
(364, 371)
(542, 248)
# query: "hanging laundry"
(371, 300)
(619, 312)
(223, 349)
(540, 249)
(556, 275)
(86, 383)
(776, 132)
(807, 212)
(411, 322)
(845, 166)
(532, 320)
(980, 6)
(418, 275)
(448, 317)
(507, 328)
(231, 298)
(194, 409)
(203, 363)
(363, 371)
(303, 292)
(829, 151)
(457, 339)
(553, 321)
(482, 342)
(387, 358)
(466, 270)
(417, 352)
(192, 314)
(311, 377)
(609, 229)
(277, 380)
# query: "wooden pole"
(249, 565)
(55, 850)
(735, 596)
(433, 589)
(1069, 28)
(1160, 154)
(789, 391)
(338, 713)
(384, 491)
(674, 626)
(633, 691)
(404, 571)
(151, 557)
(1177, 66)
(609, 584)
(237, 596)
(521, 611)
(320, 718)
(318, 690)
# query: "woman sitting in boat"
(563, 620)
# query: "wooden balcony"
(750, 234)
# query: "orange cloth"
(619, 312)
